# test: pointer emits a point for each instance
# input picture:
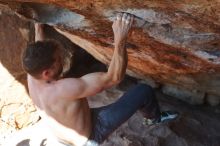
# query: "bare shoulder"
(68, 88)
(68, 82)
(85, 86)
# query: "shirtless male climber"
(62, 102)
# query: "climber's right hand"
(121, 27)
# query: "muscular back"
(68, 119)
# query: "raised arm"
(94, 83)
(118, 64)
(39, 32)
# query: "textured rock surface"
(192, 96)
(197, 126)
(16, 109)
(175, 42)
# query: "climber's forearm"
(118, 64)
(39, 32)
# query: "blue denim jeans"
(108, 118)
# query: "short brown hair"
(39, 56)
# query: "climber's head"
(43, 60)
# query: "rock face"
(16, 108)
(172, 42)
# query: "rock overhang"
(172, 43)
